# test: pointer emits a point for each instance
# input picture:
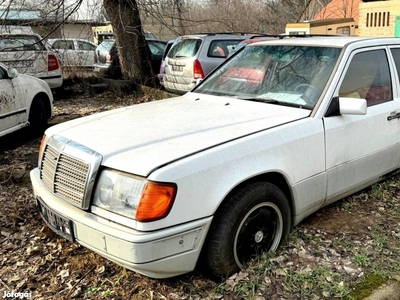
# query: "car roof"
(67, 39)
(228, 35)
(331, 41)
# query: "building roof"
(16, 14)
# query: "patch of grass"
(380, 241)
(318, 281)
(246, 289)
(361, 260)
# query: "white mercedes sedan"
(221, 174)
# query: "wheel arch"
(275, 178)
(46, 103)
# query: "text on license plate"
(20, 63)
(177, 68)
(57, 223)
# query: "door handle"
(393, 115)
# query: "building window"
(378, 19)
(345, 30)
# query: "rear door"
(157, 49)
(85, 53)
(217, 50)
(66, 51)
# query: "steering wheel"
(310, 93)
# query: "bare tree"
(134, 54)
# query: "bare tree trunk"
(133, 52)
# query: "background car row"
(179, 64)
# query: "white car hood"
(140, 138)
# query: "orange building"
(341, 9)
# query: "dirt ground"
(344, 242)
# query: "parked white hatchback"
(24, 100)
(29, 55)
(74, 52)
(279, 130)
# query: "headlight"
(133, 196)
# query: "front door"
(361, 148)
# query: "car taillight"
(197, 70)
(52, 63)
(109, 59)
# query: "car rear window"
(184, 48)
(20, 43)
(105, 45)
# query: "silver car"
(192, 57)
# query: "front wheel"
(254, 220)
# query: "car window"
(63, 45)
(149, 36)
(221, 48)
(20, 43)
(368, 77)
(184, 48)
(105, 45)
(82, 45)
(2, 73)
(156, 48)
(167, 47)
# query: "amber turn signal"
(156, 201)
(41, 147)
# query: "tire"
(254, 220)
(37, 116)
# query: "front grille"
(65, 176)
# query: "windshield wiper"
(273, 101)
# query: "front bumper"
(159, 254)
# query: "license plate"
(96, 69)
(177, 68)
(58, 224)
(20, 63)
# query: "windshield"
(288, 75)
(20, 43)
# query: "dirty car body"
(29, 55)
(24, 101)
(279, 130)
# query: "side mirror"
(12, 73)
(352, 106)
